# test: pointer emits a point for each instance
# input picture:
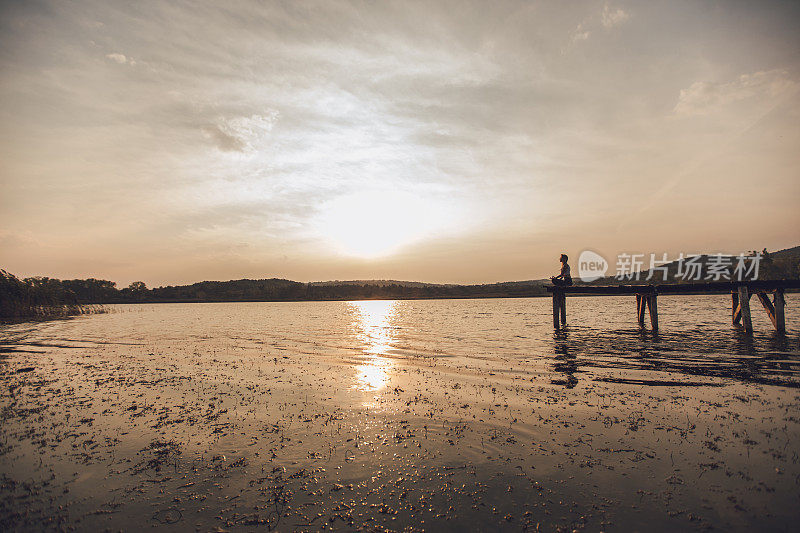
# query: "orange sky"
(431, 141)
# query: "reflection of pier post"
(565, 362)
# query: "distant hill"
(380, 282)
(285, 290)
(787, 262)
(386, 282)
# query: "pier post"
(736, 311)
(563, 308)
(780, 317)
(640, 308)
(556, 306)
(652, 306)
(768, 307)
(744, 305)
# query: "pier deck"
(647, 298)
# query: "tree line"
(43, 296)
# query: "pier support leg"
(736, 311)
(640, 306)
(652, 306)
(768, 307)
(563, 309)
(744, 305)
(780, 317)
(556, 308)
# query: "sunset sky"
(173, 142)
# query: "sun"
(377, 223)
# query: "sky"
(173, 142)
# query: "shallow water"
(436, 414)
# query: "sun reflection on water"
(372, 324)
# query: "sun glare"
(377, 223)
(372, 322)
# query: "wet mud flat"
(189, 436)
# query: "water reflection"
(566, 362)
(668, 358)
(372, 324)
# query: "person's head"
(563, 258)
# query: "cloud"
(703, 98)
(580, 34)
(223, 141)
(119, 58)
(613, 16)
(241, 134)
(610, 17)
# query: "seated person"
(563, 279)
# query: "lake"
(429, 414)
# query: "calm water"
(602, 341)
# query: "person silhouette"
(563, 279)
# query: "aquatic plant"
(37, 298)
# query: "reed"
(38, 298)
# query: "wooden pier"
(647, 299)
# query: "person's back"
(565, 278)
